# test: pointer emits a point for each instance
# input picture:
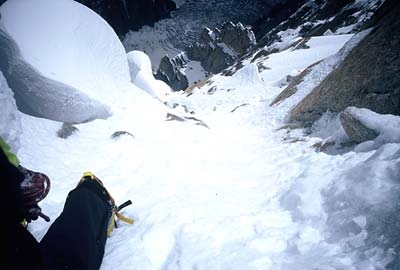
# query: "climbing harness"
(115, 209)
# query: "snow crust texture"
(43, 97)
(218, 180)
(83, 51)
(62, 61)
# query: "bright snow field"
(232, 191)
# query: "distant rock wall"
(313, 18)
(219, 48)
(169, 71)
(368, 77)
(215, 49)
(125, 15)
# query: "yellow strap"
(90, 174)
(111, 225)
(115, 211)
(124, 218)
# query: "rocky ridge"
(364, 76)
(170, 71)
(368, 77)
(285, 24)
(217, 49)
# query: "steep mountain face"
(315, 18)
(367, 78)
(188, 20)
(125, 15)
(279, 12)
(219, 48)
(195, 25)
(362, 74)
(170, 72)
(173, 35)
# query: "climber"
(75, 240)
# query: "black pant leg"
(77, 238)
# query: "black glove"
(34, 188)
(32, 212)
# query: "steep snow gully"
(216, 179)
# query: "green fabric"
(12, 158)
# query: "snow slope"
(240, 194)
(235, 191)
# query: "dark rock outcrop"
(66, 130)
(170, 72)
(118, 134)
(187, 22)
(313, 18)
(190, 119)
(125, 15)
(219, 48)
(275, 15)
(367, 78)
(356, 131)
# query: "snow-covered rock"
(39, 96)
(67, 43)
(385, 127)
(142, 75)
(367, 77)
(10, 123)
(170, 71)
(248, 75)
(356, 130)
(217, 49)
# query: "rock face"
(272, 17)
(170, 72)
(125, 15)
(368, 77)
(219, 48)
(313, 18)
(356, 131)
(66, 131)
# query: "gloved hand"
(32, 212)
(34, 188)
